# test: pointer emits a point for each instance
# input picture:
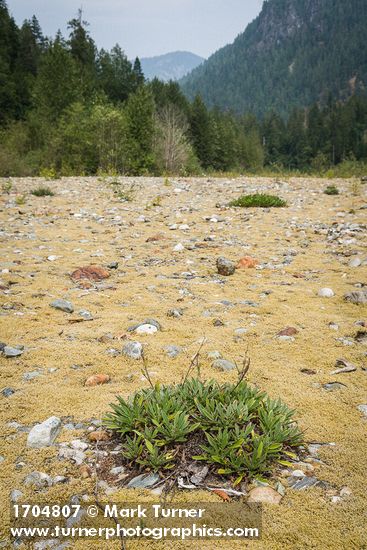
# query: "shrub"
(331, 190)
(236, 429)
(20, 200)
(258, 200)
(42, 191)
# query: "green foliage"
(258, 200)
(20, 200)
(6, 187)
(42, 191)
(331, 190)
(236, 428)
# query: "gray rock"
(63, 305)
(2, 346)
(333, 386)
(225, 267)
(79, 445)
(38, 480)
(134, 350)
(304, 483)
(59, 479)
(355, 262)
(224, 365)
(173, 351)
(175, 313)
(28, 376)
(326, 293)
(85, 314)
(356, 297)
(8, 351)
(15, 495)
(143, 481)
(44, 434)
(113, 265)
(249, 303)
(75, 455)
(7, 392)
(117, 470)
(240, 331)
(214, 355)
(363, 409)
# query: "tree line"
(72, 109)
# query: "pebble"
(363, 409)
(333, 386)
(304, 483)
(97, 380)
(264, 494)
(356, 297)
(146, 329)
(173, 351)
(63, 305)
(75, 455)
(178, 248)
(38, 480)
(7, 392)
(326, 293)
(15, 495)
(225, 267)
(44, 434)
(134, 350)
(8, 351)
(355, 262)
(224, 365)
(143, 481)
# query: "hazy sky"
(147, 27)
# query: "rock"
(134, 350)
(218, 323)
(199, 476)
(286, 338)
(356, 297)
(15, 495)
(225, 267)
(117, 470)
(38, 480)
(303, 483)
(28, 376)
(8, 351)
(79, 445)
(173, 351)
(224, 365)
(240, 331)
(178, 248)
(63, 305)
(91, 273)
(2, 346)
(361, 337)
(288, 331)
(247, 263)
(345, 492)
(308, 371)
(326, 293)
(7, 392)
(86, 315)
(98, 436)
(298, 474)
(143, 481)
(344, 367)
(175, 313)
(363, 409)
(146, 329)
(97, 380)
(214, 355)
(44, 434)
(75, 455)
(264, 494)
(153, 322)
(333, 386)
(85, 471)
(113, 265)
(59, 479)
(355, 262)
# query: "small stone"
(117, 470)
(333, 326)
(146, 329)
(38, 480)
(247, 263)
(97, 380)
(214, 355)
(173, 351)
(363, 409)
(99, 436)
(44, 434)
(333, 386)
(85, 471)
(134, 350)
(74, 455)
(113, 265)
(288, 331)
(85, 314)
(335, 500)
(79, 445)
(308, 371)
(175, 313)
(240, 331)
(355, 262)
(345, 492)
(143, 481)
(356, 297)
(15, 495)
(8, 351)
(178, 248)
(326, 293)
(264, 494)
(298, 473)
(91, 273)
(7, 392)
(59, 479)
(224, 365)
(218, 323)
(63, 305)
(303, 483)
(225, 267)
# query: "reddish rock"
(264, 494)
(155, 238)
(91, 273)
(288, 331)
(85, 471)
(247, 263)
(97, 380)
(99, 436)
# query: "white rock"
(326, 293)
(146, 329)
(44, 434)
(178, 248)
(363, 409)
(75, 455)
(79, 445)
(355, 262)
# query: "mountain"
(294, 53)
(170, 66)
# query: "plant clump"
(331, 190)
(235, 429)
(261, 200)
(42, 191)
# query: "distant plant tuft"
(331, 190)
(42, 191)
(258, 200)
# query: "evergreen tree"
(140, 131)
(201, 132)
(138, 72)
(83, 50)
(115, 74)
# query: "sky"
(147, 28)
